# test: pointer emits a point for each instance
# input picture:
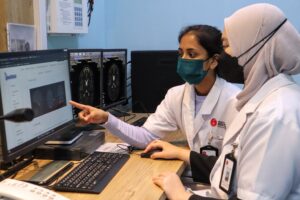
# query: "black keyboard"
(93, 173)
(139, 122)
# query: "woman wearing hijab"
(260, 158)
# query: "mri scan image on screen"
(114, 78)
(85, 70)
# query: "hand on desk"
(171, 184)
(168, 151)
(89, 114)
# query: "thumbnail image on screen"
(47, 98)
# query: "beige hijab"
(281, 54)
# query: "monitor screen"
(85, 70)
(153, 72)
(114, 78)
(38, 80)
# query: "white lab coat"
(177, 112)
(267, 131)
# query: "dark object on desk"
(71, 136)
(149, 153)
(90, 127)
(93, 173)
(15, 168)
(67, 138)
(139, 122)
(50, 172)
(84, 146)
(118, 113)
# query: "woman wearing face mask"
(201, 109)
(260, 158)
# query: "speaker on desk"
(152, 74)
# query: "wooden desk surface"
(134, 180)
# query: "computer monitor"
(153, 72)
(114, 78)
(85, 71)
(38, 80)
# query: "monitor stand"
(71, 136)
(66, 138)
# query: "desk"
(133, 181)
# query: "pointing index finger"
(78, 105)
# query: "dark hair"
(209, 37)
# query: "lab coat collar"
(209, 103)
(188, 110)
(207, 107)
(269, 87)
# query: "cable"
(133, 116)
(90, 10)
(128, 148)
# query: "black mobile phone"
(50, 172)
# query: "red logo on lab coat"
(213, 122)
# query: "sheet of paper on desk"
(202, 192)
(113, 147)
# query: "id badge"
(227, 173)
(209, 150)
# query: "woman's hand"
(89, 114)
(169, 151)
(172, 186)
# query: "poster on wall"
(20, 37)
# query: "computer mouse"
(149, 153)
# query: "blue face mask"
(191, 71)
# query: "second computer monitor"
(153, 72)
(114, 77)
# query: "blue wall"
(155, 24)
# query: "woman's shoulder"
(228, 89)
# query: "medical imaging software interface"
(41, 84)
